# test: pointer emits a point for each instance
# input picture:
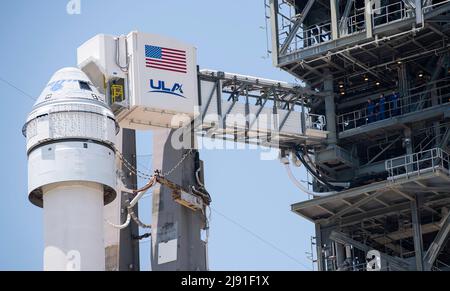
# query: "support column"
(176, 239)
(340, 255)
(417, 232)
(439, 242)
(436, 124)
(334, 19)
(274, 29)
(330, 109)
(402, 80)
(320, 259)
(121, 249)
(403, 88)
(419, 15)
(368, 18)
(129, 247)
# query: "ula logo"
(160, 87)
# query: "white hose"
(121, 226)
(303, 188)
(207, 218)
(131, 213)
(136, 199)
(142, 192)
(197, 177)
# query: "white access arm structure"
(153, 81)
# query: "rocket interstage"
(71, 169)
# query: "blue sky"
(252, 227)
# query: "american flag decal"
(165, 59)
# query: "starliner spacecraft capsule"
(71, 169)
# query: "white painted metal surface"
(73, 227)
(167, 251)
(69, 130)
(160, 75)
(161, 90)
(71, 169)
(285, 124)
(71, 161)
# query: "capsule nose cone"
(69, 83)
(69, 73)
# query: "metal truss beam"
(238, 85)
(208, 102)
(437, 244)
(383, 150)
(318, 52)
(343, 20)
(369, 53)
(417, 234)
(362, 66)
(402, 207)
(346, 194)
(334, 65)
(398, 191)
(326, 209)
(395, 263)
(354, 206)
(324, 4)
(437, 30)
(440, 18)
(437, 11)
(311, 69)
(411, 3)
(374, 213)
(296, 27)
(350, 204)
(445, 138)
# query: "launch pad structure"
(370, 124)
(88, 115)
(393, 153)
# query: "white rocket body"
(71, 169)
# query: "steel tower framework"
(392, 155)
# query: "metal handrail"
(308, 37)
(394, 108)
(355, 23)
(417, 163)
(429, 142)
(393, 13)
(315, 121)
(440, 263)
(432, 6)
